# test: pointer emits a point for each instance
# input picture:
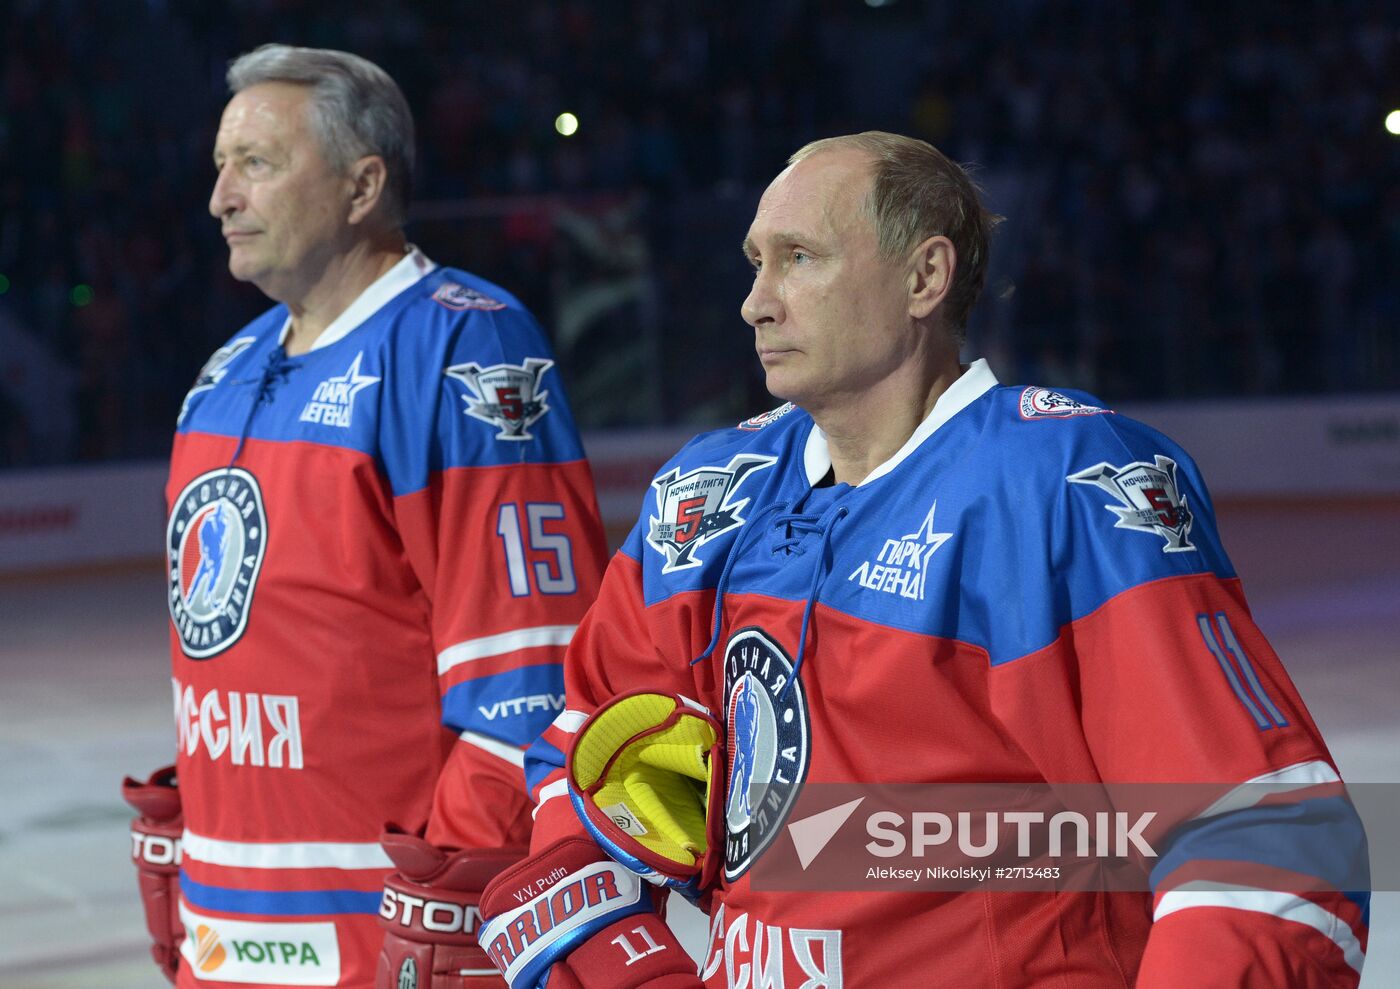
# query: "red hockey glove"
(155, 848)
(430, 914)
(645, 776)
(575, 917)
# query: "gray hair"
(357, 109)
(918, 192)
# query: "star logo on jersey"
(333, 402)
(507, 396)
(901, 567)
(213, 372)
(1148, 499)
(214, 543)
(697, 506)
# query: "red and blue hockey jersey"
(1032, 590)
(378, 551)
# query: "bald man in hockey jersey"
(925, 577)
(382, 534)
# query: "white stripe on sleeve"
(558, 788)
(1296, 777)
(569, 722)
(502, 643)
(495, 746)
(1277, 904)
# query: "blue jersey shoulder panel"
(236, 364)
(1025, 511)
(451, 372)
(481, 389)
(1081, 508)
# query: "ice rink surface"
(85, 698)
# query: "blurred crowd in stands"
(1202, 200)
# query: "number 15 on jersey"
(553, 566)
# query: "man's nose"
(227, 197)
(764, 303)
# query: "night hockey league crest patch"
(508, 396)
(459, 298)
(769, 744)
(1148, 499)
(214, 544)
(764, 418)
(697, 506)
(213, 372)
(1042, 403)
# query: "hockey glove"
(645, 775)
(430, 914)
(574, 917)
(155, 848)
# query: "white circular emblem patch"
(214, 545)
(1042, 403)
(769, 742)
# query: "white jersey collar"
(413, 268)
(970, 385)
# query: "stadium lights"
(566, 124)
(1392, 122)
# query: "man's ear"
(368, 177)
(931, 267)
